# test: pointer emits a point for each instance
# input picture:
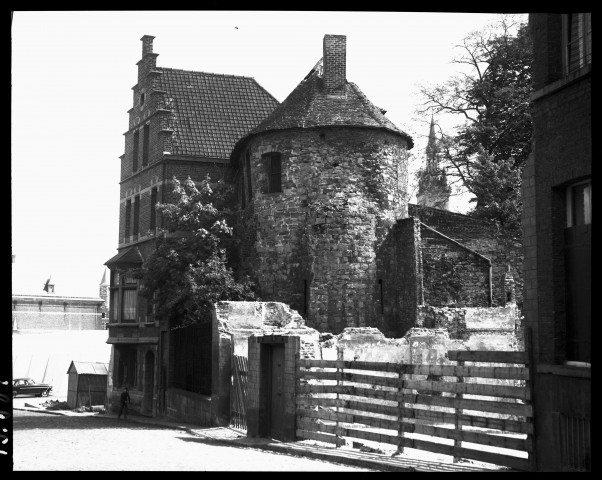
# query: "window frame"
(274, 175)
(135, 151)
(127, 219)
(583, 41)
(136, 217)
(145, 145)
(121, 282)
(154, 195)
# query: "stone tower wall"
(314, 244)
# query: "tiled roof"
(308, 106)
(211, 112)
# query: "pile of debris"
(54, 405)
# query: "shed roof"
(88, 368)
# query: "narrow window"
(578, 40)
(382, 298)
(248, 173)
(153, 209)
(145, 145)
(136, 216)
(305, 297)
(128, 214)
(141, 99)
(129, 297)
(579, 204)
(241, 180)
(274, 173)
(135, 151)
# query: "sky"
(72, 74)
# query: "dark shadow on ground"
(24, 420)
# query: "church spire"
(432, 162)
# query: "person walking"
(125, 400)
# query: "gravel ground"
(46, 442)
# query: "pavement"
(345, 455)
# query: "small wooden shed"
(87, 384)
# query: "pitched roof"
(128, 257)
(308, 106)
(210, 112)
(88, 368)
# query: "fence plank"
(390, 395)
(506, 373)
(469, 453)
(470, 420)
(504, 391)
(354, 365)
(487, 356)
(482, 438)
(350, 377)
(505, 408)
(343, 417)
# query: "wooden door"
(276, 394)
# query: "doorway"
(275, 387)
(149, 384)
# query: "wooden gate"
(477, 407)
(238, 394)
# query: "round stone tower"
(320, 183)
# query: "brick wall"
(335, 67)
(315, 243)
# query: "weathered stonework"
(314, 244)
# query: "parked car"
(26, 386)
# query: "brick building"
(557, 191)
(182, 124)
(51, 312)
(322, 217)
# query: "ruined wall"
(314, 244)
(452, 275)
(483, 237)
(399, 273)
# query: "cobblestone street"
(54, 442)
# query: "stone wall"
(313, 245)
(484, 238)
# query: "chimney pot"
(147, 44)
(335, 75)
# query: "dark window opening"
(241, 182)
(141, 99)
(578, 41)
(578, 267)
(135, 151)
(136, 215)
(153, 209)
(248, 174)
(274, 169)
(305, 297)
(128, 215)
(127, 366)
(192, 364)
(382, 298)
(145, 145)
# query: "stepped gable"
(211, 112)
(309, 106)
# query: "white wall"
(46, 357)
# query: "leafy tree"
(188, 271)
(492, 97)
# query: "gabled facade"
(557, 231)
(182, 123)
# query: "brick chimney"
(335, 75)
(147, 44)
(149, 59)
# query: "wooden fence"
(476, 408)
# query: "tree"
(492, 98)
(189, 271)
